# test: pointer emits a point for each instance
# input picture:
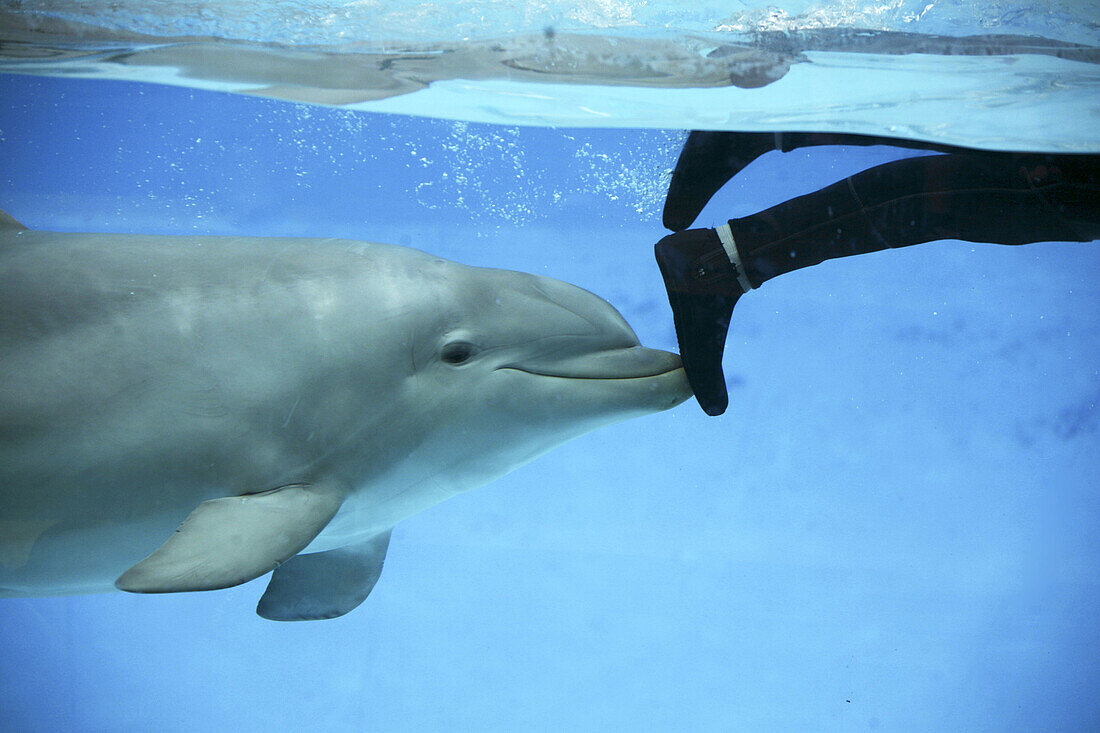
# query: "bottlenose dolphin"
(217, 405)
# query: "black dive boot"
(703, 284)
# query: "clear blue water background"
(895, 526)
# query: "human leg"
(709, 159)
(999, 198)
(1003, 198)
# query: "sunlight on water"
(925, 71)
(342, 21)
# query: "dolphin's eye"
(458, 352)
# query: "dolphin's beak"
(634, 362)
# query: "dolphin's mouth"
(635, 362)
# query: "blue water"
(894, 527)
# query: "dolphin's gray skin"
(275, 395)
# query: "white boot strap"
(726, 237)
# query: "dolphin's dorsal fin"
(229, 541)
(324, 584)
(7, 221)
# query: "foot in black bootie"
(702, 289)
(707, 161)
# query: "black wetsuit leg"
(1000, 198)
(1003, 198)
(709, 159)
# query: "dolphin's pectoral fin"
(229, 541)
(324, 584)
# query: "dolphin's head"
(516, 364)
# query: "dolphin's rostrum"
(277, 396)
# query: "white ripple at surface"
(1016, 102)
